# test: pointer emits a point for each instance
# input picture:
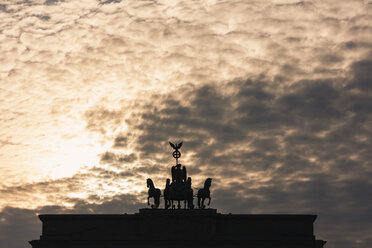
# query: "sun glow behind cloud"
(68, 56)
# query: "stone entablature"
(180, 227)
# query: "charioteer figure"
(179, 174)
(180, 187)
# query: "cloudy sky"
(272, 98)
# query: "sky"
(272, 99)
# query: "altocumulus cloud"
(291, 132)
(304, 148)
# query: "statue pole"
(176, 153)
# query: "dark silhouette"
(204, 193)
(153, 192)
(180, 189)
(178, 174)
(167, 202)
(160, 228)
(189, 194)
(182, 227)
(176, 154)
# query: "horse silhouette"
(153, 192)
(204, 193)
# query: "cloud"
(93, 185)
(301, 149)
(112, 158)
(272, 99)
(362, 74)
(110, 1)
(49, 2)
(99, 119)
(120, 141)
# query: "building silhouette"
(176, 227)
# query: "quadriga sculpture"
(179, 188)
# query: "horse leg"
(209, 203)
(203, 206)
(190, 203)
(179, 204)
(148, 200)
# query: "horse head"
(167, 183)
(188, 182)
(208, 183)
(150, 184)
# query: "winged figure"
(172, 145)
(176, 146)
